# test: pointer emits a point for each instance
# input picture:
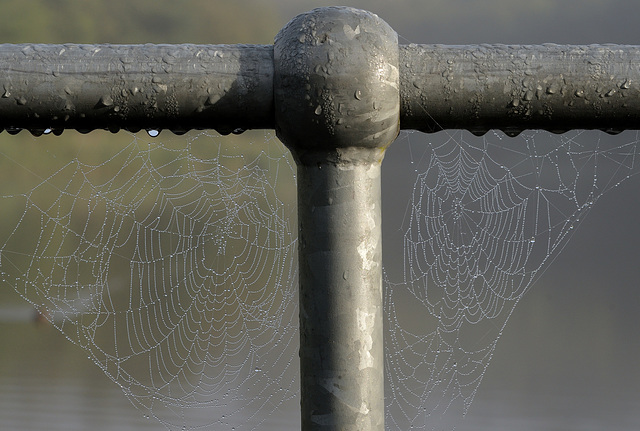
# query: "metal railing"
(337, 88)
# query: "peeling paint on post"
(337, 109)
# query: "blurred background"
(568, 359)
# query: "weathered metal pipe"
(175, 87)
(337, 109)
(512, 88)
(230, 87)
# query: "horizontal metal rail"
(513, 88)
(230, 87)
(177, 87)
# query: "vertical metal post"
(341, 318)
(337, 109)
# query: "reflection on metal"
(230, 87)
(337, 109)
(512, 88)
(337, 88)
(87, 87)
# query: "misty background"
(568, 359)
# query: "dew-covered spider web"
(172, 261)
(486, 216)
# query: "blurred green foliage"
(137, 21)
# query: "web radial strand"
(485, 217)
(173, 265)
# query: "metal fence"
(337, 88)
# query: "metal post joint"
(337, 108)
(336, 82)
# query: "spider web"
(172, 262)
(486, 215)
(172, 265)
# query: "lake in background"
(50, 385)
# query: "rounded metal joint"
(336, 84)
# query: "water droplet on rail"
(528, 96)
(105, 101)
(153, 133)
(170, 59)
(318, 110)
(358, 94)
(212, 99)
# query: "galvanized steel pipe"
(230, 87)
(337, 109)
(512, 88)
(175, 87)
